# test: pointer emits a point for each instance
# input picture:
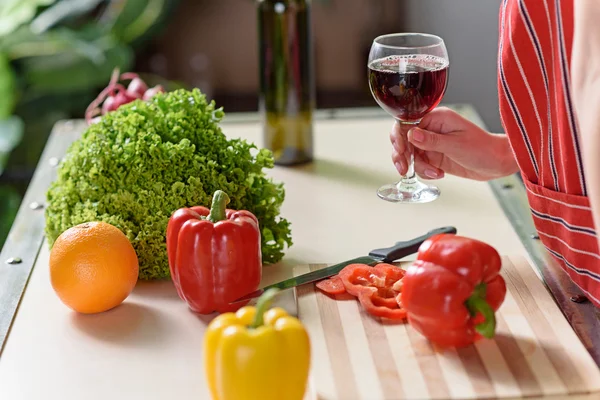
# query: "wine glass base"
(417, 192)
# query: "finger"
(425, 177)
(421, 154)
(397, 138)
(426, 170)
(431, 141)
(403, 159)
(443, 120)
(400, 162)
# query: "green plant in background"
(55, 56)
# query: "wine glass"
(408, 75)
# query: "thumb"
(431, 141)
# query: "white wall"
(470, 29)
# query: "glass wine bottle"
(287, 95)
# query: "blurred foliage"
(10, 200)
(68, 47)
(16, 12)
(11, 133)
(55, 57)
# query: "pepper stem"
(217, 208)
(264, 301)
(477, 303)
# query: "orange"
(93, 267)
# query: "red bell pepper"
(453, 289)
(214, 255)
(377, 288)
(333, 285)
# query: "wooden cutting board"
(535, 352)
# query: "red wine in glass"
(408, 86)
(407, 75)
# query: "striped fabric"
(356, 356)
(537, 114)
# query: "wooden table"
(335, 215)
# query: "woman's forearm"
(505, 156)
(585, 74)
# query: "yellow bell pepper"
(252, 354)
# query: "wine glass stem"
(410, 178)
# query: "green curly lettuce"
(145, 160)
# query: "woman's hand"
(446, 143)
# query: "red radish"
(115, 101)
(115, 95)
(151, 92)
(123, 97)
(108, 105)
(137, 88)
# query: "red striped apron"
(537, 114)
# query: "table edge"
(26, 237)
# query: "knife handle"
(402, 249)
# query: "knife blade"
(382, 255)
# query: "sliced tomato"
(333, 285)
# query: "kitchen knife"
(383, 255)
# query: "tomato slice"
(333, 285)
